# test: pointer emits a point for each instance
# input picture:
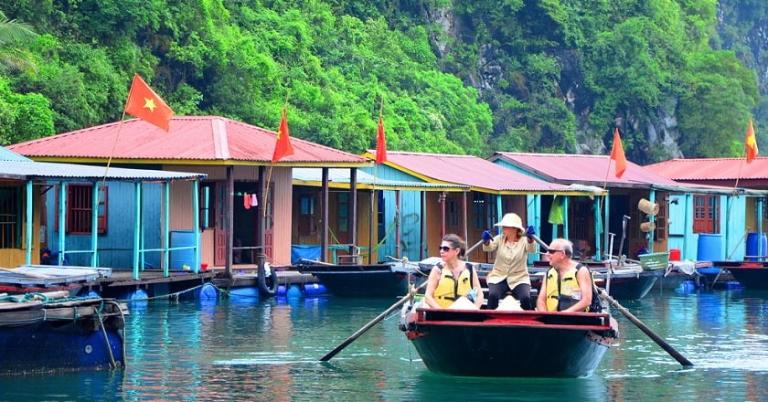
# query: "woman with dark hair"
(452, 278)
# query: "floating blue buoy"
(314, 289)
(208, 292)
(281, 290)
(733, 285)
(244, 295)
(686, 287)
(293, 292)
(138, 295)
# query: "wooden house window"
(662, 218)
(343, 217)
(306, 214)
(207, 205)
(10, 217)
(706, 214)
(478, 206)
(453, 213)
(79, 211)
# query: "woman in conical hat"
(510, 268)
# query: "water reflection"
(268, 350)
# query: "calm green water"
(250, 350)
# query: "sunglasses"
(553, 251)
(444, 248)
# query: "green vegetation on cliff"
(547, 75)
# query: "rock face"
(742, 27)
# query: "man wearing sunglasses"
(568, 284)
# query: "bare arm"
(585, 286)
(434, 278)
(541, 299)
(479, 297)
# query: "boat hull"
(751, 277)
(379, 280)
(66, 336)
(44, 348)
(506, 344)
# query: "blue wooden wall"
(411, 221)
(732, 227)
(116, 246)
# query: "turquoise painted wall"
(410, 214)
(115, 247)
(732, 228)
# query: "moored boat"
(365, 280)
(510, 343)
(750, 274)
(43, 332)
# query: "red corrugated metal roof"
(711, 169)
(199, 138)
(472, 171)
(570, 168)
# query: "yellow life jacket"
(449, 289)
(567, 286)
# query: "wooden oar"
(383, 315)
(656, 338)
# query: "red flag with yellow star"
(145, 104)
(283, 145)
(750, 143)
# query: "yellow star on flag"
(149, 104)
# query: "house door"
(269, 232)
(219, 234)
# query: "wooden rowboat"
(510, 344)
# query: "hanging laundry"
(556, 212)
(247, 201)
(254, 200)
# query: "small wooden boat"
(751, 274)
(43, 332)
(364, 280)
(510, 343)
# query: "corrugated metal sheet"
(591, 169)
(191, 138)
(478, 173)
(711, 169)
(313, 176)
(42, 170)
(6, 155)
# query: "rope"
(112, 363)
(27, 297)
(174, 294)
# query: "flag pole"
(738, 175)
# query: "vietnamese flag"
(145, 104)
(617, 154)
(381, 142)
(750, 143)
(283, 145)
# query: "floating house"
(382, 235)
(743, 213)
(492, 191)
(681, 207)
(234, 225)
(79, 219)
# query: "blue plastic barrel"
(293, 292)
(752, 244)
(314, 289)
(180, 258)
(710, 247)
